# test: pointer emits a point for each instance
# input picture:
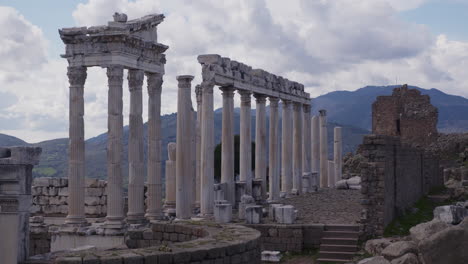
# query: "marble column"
(170, 201)
(323, 149)
(115, 203)
(297, 148)
(338, 153)
(184, 172)
(274, 154)
(76, 144)
(245, 149)
(227, 145)
(286, 149)
(136, 174)
(193, 160)
(306, 146)
(315, 144)
(260, 142)
(198, 93)
(154, 206)
(207, 149)
(331, 174)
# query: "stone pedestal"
(16, 164)
(207, 151)
(338, 153)
(306, 182)
(136, 173)
(227, 143)
(274, 154)
(170, 203)
(240, 191)
(286, 149)
(253, 214)
(323, 149)
(223, 212)
(260, 142)
(245, 152)
(272, 211)
(184, 171)
(285, 214)
(115, 202)
(246, 200)
(314, 182)
(297, 149)
(257, 190)
(154, 206)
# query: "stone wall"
(394, 176)
(50, 197)
(39, 236)
(292, 238)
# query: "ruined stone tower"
(407, 114)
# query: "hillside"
(355, 108)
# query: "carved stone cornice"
(76, 76)
(135, 79)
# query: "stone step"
(338, 248)
(325, 260)
(349, 228)
(340, 234)
(339, 241)
(336, 255)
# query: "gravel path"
(327, 206)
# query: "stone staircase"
(339, 244)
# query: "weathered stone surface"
(399, 249)
(376, 246)
(425, 230)
(447, 246)
(374, 260)
(450, 214)
(409, 258)
(342, 184)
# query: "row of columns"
(115, 205)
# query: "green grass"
(45, 171)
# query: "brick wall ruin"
(407, 114)
(394, 176)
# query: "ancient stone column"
(338, 153)
(260, 142)
(306, 146)
(184, 172)
(331, 174)
(323, 149)
(207, 149)
(170, 201)
(297, 148)
(136, 174)
(315, 144)
(154, 206)
(115, 205)
(76, 156)
(198, 93)
(286, 150)
(245, 149)
(274, 154)
(227, 145)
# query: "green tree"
(217, 158)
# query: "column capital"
(273, 101)
(76, 75)
(207, 87)
(260, 98)
(184, 81)
(154, 82)
(323, 112)
(297, 106)
(198, 93)
(286, 103)
(306, 108)
(228, 91)
(135, 79)
(245, 96)
(115, 75)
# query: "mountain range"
(350, 110)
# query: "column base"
(154, 216)
(76, 221)
(114, 223)
(133, 218)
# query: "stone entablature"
(227, 72)
(132, 44)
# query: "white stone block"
(41, 182)
(253, 214)
(271, 211)
(92, 183)
(285, 214)
(223, 212)
(306, 182)
(271, 256)
(55, 182)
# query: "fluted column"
(136, 174)
(115, 214)
(323, 149)
(260, 141)
(245, 149)
(184, 172)
(154, 206)
(338, 153)
(170, 179)
(227, 144)
(297, 148)
(76, 144)
(315, 144)
(274, 154)
(306, 146)
(207, 149)
(198, 93)
(286, 150)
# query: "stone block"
(93, 192)
(91, 183)
(36, 190)
(223, 212)
(41, 182)
(285, 214)
(306, 182)
(93, 210)
(253, 214)
(271, 211)
(63, 191)
(92, 200)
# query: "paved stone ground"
(329, 206)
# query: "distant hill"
(355, 108)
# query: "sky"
(327, 45)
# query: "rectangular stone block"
(223, 212)
(92, 200)
(253, 214)
(285, 214)
(93, 191)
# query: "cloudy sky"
(327, 45)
